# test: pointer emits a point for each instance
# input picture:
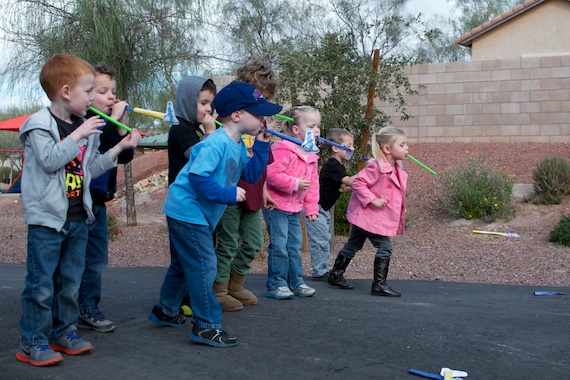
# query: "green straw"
(284, 117)
(116, 122)
(421, 164)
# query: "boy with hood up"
(194, 96)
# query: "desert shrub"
(551, 180)
(113, 230)
(561, 232)
(477, 191)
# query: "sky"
(427, 8)
(430, 8)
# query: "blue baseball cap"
(243, 96)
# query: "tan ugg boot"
(227, 302)
(237, 291)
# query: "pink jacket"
(375, 182)
(283, 175)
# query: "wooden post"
(130, 196)
(369, 106)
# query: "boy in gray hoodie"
(194, 96)
(61, 158)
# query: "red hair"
(60, 70)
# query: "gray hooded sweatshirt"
(43, 177)
(182, 137)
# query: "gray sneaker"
(281, 293)
(95, 321)
(304, 290)
(39, 356)
(71, 344)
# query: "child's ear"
(386, 149)
(236, 116)
(295, 129)
(65, 92)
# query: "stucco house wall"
(539, 31)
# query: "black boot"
(336, 277)
(380, 286)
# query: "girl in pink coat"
(293, 183)
(376, 209)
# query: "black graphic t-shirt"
(73, 172)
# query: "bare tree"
(147, 42)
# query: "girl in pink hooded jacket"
(376, 210)
(292, 182)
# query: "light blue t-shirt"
(221, 159)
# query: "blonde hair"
(295, 114)
(385, 136)
(258, 72)
(60, 70)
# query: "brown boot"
(227, 302)
(237, 291)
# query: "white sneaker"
(304, 290)
(281, 293)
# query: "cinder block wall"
(497, 101)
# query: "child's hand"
(268, 202)
(379, 202)
(240, 195)
(131, 141)
(263, 136)
(312, 218)
(304, 183)
(118, 113)
(91, 126)
(209, 124)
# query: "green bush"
(551, 180)
(341, 225)
(113, 230)
(561, 232)
(476, 191)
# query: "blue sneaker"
(160, 318)
(39, 356)
(281, 293)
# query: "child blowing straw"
(195, 203)
(376, 210)
(293, 183)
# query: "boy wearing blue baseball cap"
(195, 203)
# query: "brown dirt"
(435, 246)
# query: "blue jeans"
(284, 263)
(96, 261)
(358, 236)
(55, 263)
(319, 233)
(192, 267)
